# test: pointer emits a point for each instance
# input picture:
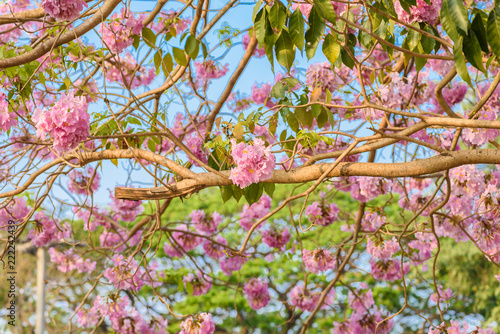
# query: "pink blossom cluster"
(366, 316)
(67, 122)
(11, 32)
(369, 188)
(207, 71)
(128, 274)
(307, 300)
(123, 319)
(117, 32)
(480, 137)
(321, 75)
(422, 12)
(388, 269)
(8, 118)
(398, 91)
(443, 294)
(68, 261)
(276, 238)
(258, 52)
(203, 223)
(457, 328)
(15, 210)
(126, 210)
(322, 213)
(199, 283)
(119, 241)
(184, 239)
(382, 249)
(199, 324)
(254, 163)
(237, 102)
(83, 183)
(66, 10)
(260, 94)
(91, 222)
(422, 247)
(250, 214)
(230, 264)
(213, 250)
(318, 260)
(128, 73)
(170, 21)
(257, 293)
(195, 144)
(46, 231)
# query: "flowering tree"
(310, 167)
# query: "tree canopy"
(200, 167)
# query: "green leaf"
(168, 64)
(269, 188)
(157, 59)
(285, 50)
(478, 28)
(428, 43)
(447, 22)
(278, 90)
(151, 146)
(322, 118)
(331, 48)
(192, 46)
(296, 29)
(256, 9)
(460, 63)
(253, 192)
(260, 26)
(315, 32)
(346, 59)
(179, 56)
(277, 16)
(189, 288)
(472, 51)
(304, 116)
(270, 54)
(149, 36)
(226, 193)
(325, 9)
(292, 122)
(238, 131)
(420, 63)
(413, 39)
(458, 14)
(493, 33)
(133, 120)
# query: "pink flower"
(254, 163)
(90, 223)
(128, 73)
(258, 52)
(63, 9)
(195, 145)
(200, 284)
(111, 240)
(230, 264)
(260, 94)
(370, 188)
(254, 212)
(306, 300)
(422, 12)
(126, 210)
(372, 221)
(67, 122)
(117, 33)
(83, 184)
(456, 93)
(15, 210)
(214, 250)
(127, 274)
(209, 70)
(183, 241)
(443, 295)
(45, 231)
(8, 118)
(199, 324)
(322, 214)
(318, 260)
(257, 293)
(275, 238)
(382, 249)
(205, 224)
(68, 261)
(388, 270)
(170, 21)
(88, 318)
